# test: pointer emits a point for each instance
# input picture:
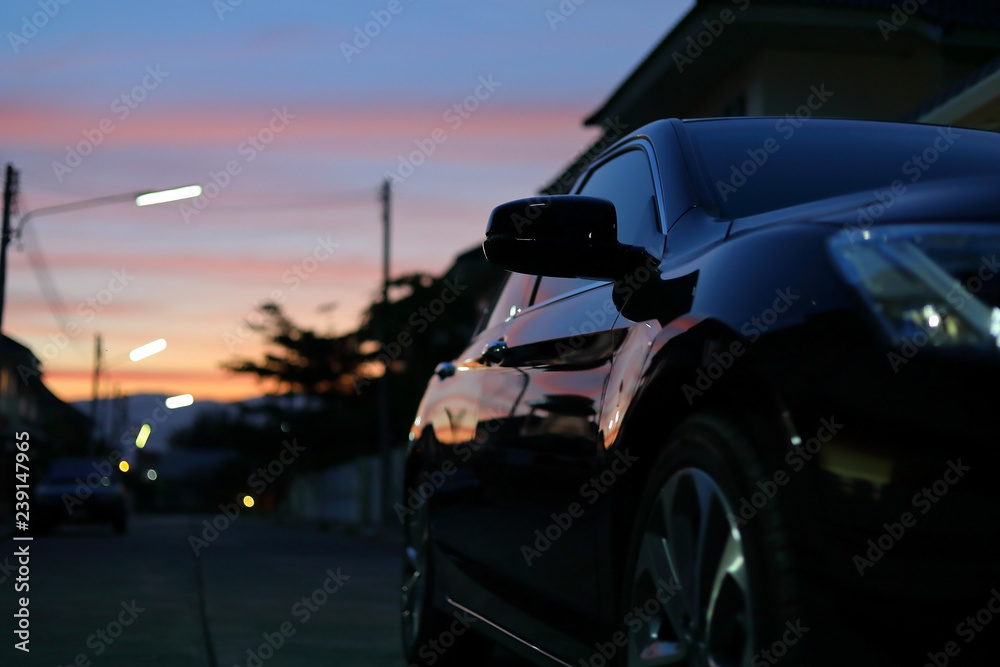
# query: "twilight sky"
(295, 117)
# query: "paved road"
(320, 598)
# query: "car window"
(550, 287)
(627, 182)
(514, 297)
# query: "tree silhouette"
(304, 362)
(426, 320)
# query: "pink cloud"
(311, 128)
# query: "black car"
(736, 404)
(80, 491)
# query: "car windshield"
(760, 165)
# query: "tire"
(429, 635)
(723, 586)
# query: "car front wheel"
(705, 587)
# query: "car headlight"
(938, 282)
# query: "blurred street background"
(146, 598)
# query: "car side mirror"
(563, 236)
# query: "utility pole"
(93, 403)
(385, 448)
(9, 202)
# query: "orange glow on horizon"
(224, 387)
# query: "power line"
(36, 259)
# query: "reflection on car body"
(794, 352)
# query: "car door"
(541, 444)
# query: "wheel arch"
(660, 405)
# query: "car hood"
(975, 199)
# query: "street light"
(181, 401)
(138, 354)
(141, 198)
(148, 350)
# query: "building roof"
(767, 24)
(947, 13)
(973, 100)
(965, 30)
(10, 349)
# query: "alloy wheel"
(691, 538)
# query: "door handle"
(494, 352)
(444, 370)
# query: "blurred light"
(147, 350)
(181, 401)
(151, 475)
(932, 316)
(286, 427)
(123, 466)
(248, 501)
(105, 481)
(140, 440)
(163, 196)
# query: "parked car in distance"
(80, 491)
(735, 404)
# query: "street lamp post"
(138, 354)
(141, 198)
